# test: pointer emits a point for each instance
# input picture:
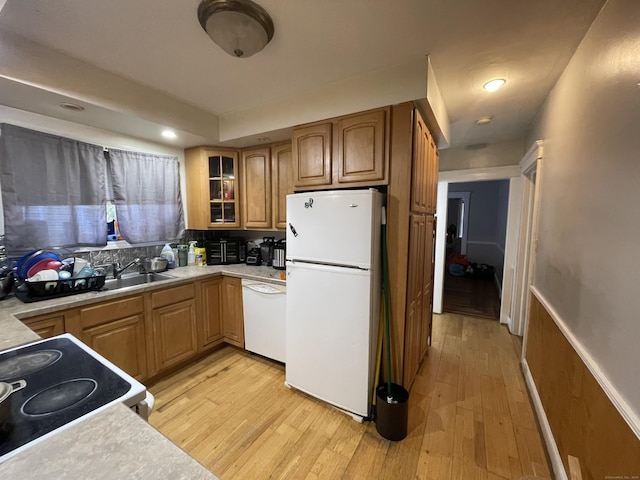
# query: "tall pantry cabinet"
(411, 203)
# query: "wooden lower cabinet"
(174, 323)
(419, 294)
(410, 223)
(149, 333)
(412, 342)
(117, 330)
(427, 286)
(232, 313)
(210, 312)
(46, 326)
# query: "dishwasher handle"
(264, 289)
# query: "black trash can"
(392, 411)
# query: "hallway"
(469, 417)
(478, 420)
(469, 295)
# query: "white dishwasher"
(264, 307)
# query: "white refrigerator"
(333, 295)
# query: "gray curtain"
(146, 189)
(53, 190)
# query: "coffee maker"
(280, 254)
(266, 250)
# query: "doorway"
(511, 174)
(531, 166)
(476, 232)
(515, 286)
(457, 222)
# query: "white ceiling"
(156, 67)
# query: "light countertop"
(13, 307)
(114, 443)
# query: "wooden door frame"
(531, 168)
(466, 198)
(511, 173)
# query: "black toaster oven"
(225, 251)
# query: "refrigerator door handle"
(309, 263)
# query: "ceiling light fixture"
(240, 27)
(484, 120)
(169, 134)
(493, 85)
(71, 106)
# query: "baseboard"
(547, 434)
(625, 410)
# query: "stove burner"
(59, 397)
(27, 363)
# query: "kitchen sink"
(134, 279)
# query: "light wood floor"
(469, 417)
(470, 295)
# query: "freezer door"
(334, 227)
(330, 327)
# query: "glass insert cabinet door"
(222, 189)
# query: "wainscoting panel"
(583, 420)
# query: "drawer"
(108, 311)
(172, 295)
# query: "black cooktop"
(64, 382)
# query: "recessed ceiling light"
(263, 139)
(169, 134)
(71, 106)
(484, 120)
(493, 85)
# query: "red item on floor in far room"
(458, 259)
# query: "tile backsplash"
(122, 256)
(121, 252)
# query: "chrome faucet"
(117, 271)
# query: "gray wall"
(501, 214)
(481, 156)
(589, 228)
(487, 212)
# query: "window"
(52, 190)
(146, 193)
(59, 192)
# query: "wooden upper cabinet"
(256, 188)
(343, 152)
(361, 148)
(421, 152)
(424, 182)
(434, 168)
(212, 193)
(282, 181)
(312, 155)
